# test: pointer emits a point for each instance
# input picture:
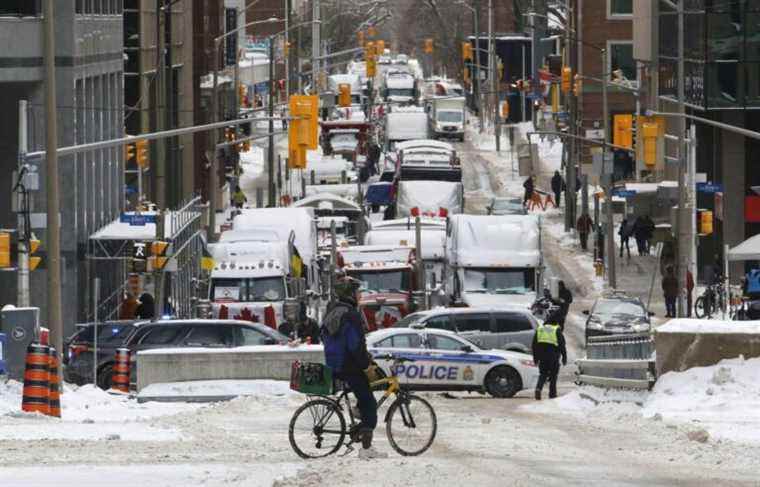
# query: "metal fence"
(622, 361)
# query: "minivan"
(505, 328)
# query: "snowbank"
(722, 399)
(685, 325)
(219, 388)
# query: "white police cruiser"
(444, 361)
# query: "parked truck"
(446, 117)
(429, 198)
(493, 260)
(400, 87)
(405, 123)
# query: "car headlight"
(640, 327)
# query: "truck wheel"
(104, 377)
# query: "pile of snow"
(269, 389)
(721, 401)
(86, 413)
(688, 325)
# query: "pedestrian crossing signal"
(143, 158)
(34, 261)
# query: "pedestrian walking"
(238, 198)
(599, 243)
(558, 184)
(689, 290)
(565, 299)
(670, 291)
(584, 227)
(640, 234)
(625, 235)
(649, 233)
(284, 118)
(548, 347)
(146, 310)
(528, 185)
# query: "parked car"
(444, 361)
(506, 206)
(79, 351)
(505, 328)
(617, 313)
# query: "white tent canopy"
(747, 250)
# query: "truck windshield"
(400, 92)
(386, 281)
(450, 117)
(248, 290)
(499, 281)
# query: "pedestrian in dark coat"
(625, 235)
(670, 291)
(565, 299)
(548, 347)
(146, 310)
(558, 184)
(600, 243)
(528, 185)
(640, 234)
(649, 234)
(689, 290)
(584, 227)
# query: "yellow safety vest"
(547, 334)
(238, 197)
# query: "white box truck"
(446, 116)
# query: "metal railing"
(618, 361)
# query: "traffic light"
(555, 98)
(371, 67)
(286, 48)
(34, 261)
(143, 159)
(344, 95)
(705, 222)
(302, 130)
(429, 46)
(622, 134)
(158, 257)
(505, 109)
(578, 86)
(650, 133)
(567, 77)
(466, 51)
(360, 38)
(380, 47)
(129, 152)
(6, 250)
(243, 95)
(369, 50)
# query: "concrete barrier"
(681, 344)
(241, 363)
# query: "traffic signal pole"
(23, 299)
(271, 201)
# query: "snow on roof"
(338, 202)
(424, 143)
(117, 230)
(283, 221)
(687, 325)
(344, 190)
(433, 240)
(495, 241)
(747, 250)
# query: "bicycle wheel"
(317, 429)
(411, 425)
(700, 307)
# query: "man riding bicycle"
(343, 335)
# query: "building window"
(20, 8)
(621, 57)
(619, 8)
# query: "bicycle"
(711, 300)
(324, 430)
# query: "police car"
(444, 361)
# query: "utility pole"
(288, 8)
(492, 74)
(55, 320)
(682, 223)
(23, 300)
(478, 85)
(169, 162)
(316, 43)
(159, 165)
(270, 146)
(213, 180)
(607, 179)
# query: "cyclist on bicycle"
(346, 354)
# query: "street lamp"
(213, 176)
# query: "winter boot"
(538, 394)
(368, 452)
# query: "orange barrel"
(120, 372)
(54, 383)
(36, 389)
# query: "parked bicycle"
(318, 428)
(711, 301)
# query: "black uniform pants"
(548, 370)
(584, 240)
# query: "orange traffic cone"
(120, 372)
(54, 383)
(36, 390)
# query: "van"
(505, 328)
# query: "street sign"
(710, 188)
(136, 219)
(597, 134)
(623, 193)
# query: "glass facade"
(722, 53)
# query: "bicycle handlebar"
(395, 358)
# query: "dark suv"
(78, 348)
(198, 333)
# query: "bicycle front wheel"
(317, 429)
(701, 308)
(411, 425)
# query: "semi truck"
(446, 117)
(405, 123)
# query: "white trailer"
(400, 87)
(429, 198)
(493, 260)
(405, 124)
(446, 116)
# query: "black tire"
(316, 415)
(105, 374)
(425, 425)
(503, 382)
(700, 307)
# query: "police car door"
(407, 345)
(448, 365)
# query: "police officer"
(548, 346)
(346, 354)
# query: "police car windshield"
(498, 281)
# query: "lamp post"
(216, 116)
